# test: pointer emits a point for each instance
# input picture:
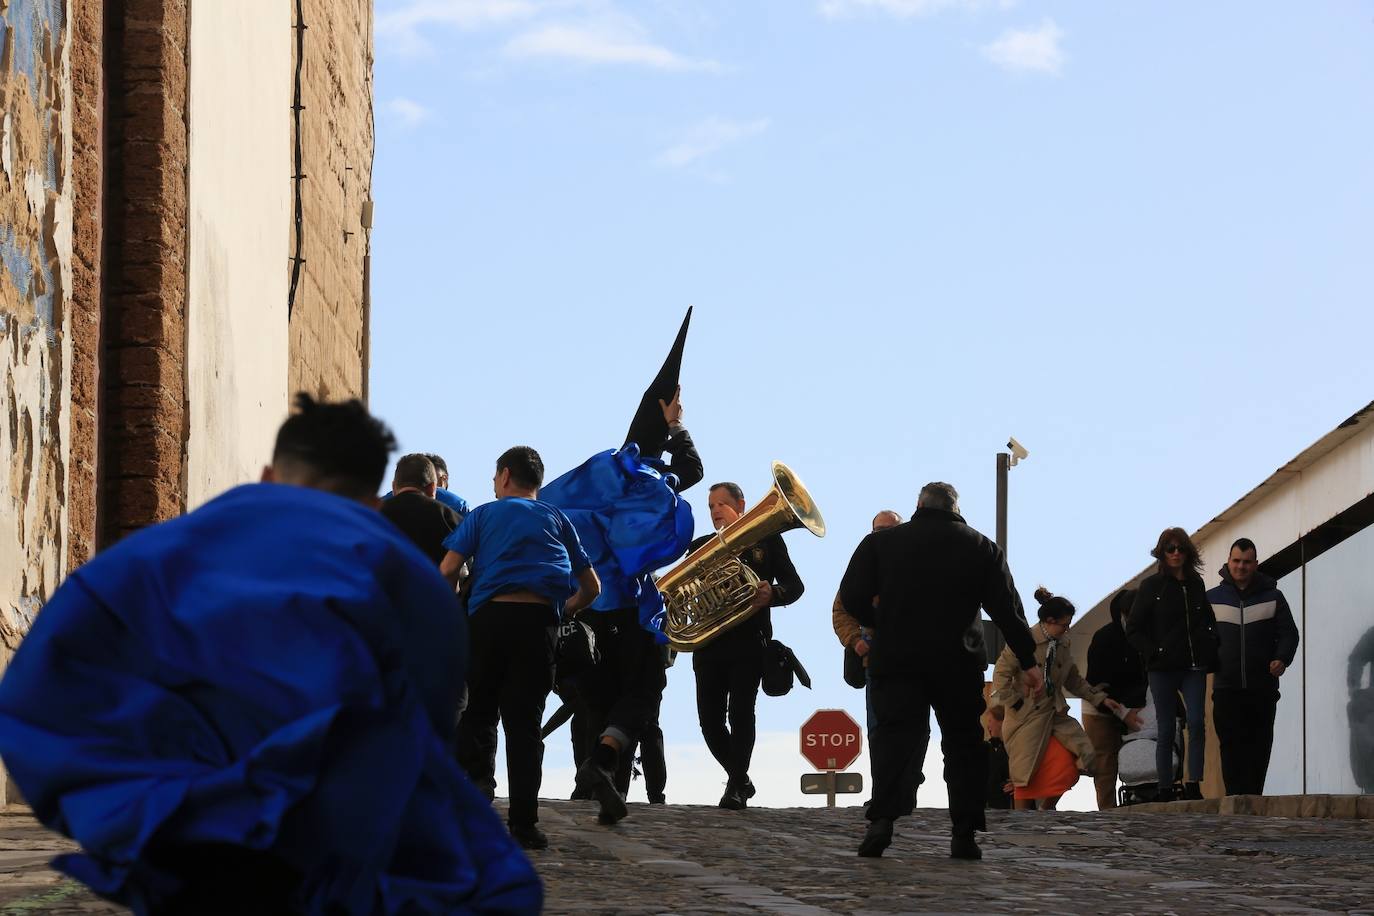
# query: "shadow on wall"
(1361, 712)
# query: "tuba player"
(729, 669)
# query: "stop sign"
(831, 739)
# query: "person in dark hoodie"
(1173, 627)
(1115, 664)
(1258, 642)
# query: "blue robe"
(630, 521)
(278, 671)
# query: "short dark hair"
(525, 466)
(1052, 607)
(730, 487)
(1193, 559)
(1244, 544)
(335, 446)
(440, 466)
(938, 495)
(415, 471)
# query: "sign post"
(831, 741)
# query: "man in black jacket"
(1258, 642)
(1115, 664)
(729, 669)
(930, 576)
(414, 509)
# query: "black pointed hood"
(647, 429)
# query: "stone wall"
(143, 406)
(35, 307)
(328, 322)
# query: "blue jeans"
(1165, 687)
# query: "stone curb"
(1347, 807)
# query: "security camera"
(1018, 451)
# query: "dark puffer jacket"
(1172, 624)
(1113, 661)
(1256, 627)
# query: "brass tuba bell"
(710, 591)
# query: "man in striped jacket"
(1258, 642)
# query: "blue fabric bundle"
(276, 671)
(630, 521)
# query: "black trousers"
(727, 692)
(510, 674)
(621, 694)
(900, 702)
(1244, 720)
(651, 758)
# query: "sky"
(1137, 237)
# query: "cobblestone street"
(801, 861)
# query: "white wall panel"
(240, 187)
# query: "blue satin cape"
(276, 670)
(630, 521)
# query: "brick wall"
(143, 412)
(328, 322)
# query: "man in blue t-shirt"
(525, 558)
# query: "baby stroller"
(1136, 761)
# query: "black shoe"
(747, 791)
(876, 839)
(964, 846)
(529, 836)
(1192, 791)
(657, 800)
(732, 799)
(600, 783)
(1165, 794)
(581, 794)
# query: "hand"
(1008, 788)
(1113, 705)
(672, 410)
(1133, 723)
(1277, 668)
(861, 647)
(1034, 682)
(763, 596)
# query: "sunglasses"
(1173, 548)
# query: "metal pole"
(830, 788)
(996, 642)
(1003, 464)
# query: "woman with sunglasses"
(1173, 626)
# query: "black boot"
(876, 839)
(964, 846)
(596, 777)
(732, 799)
(529, 836)
(1192, 791)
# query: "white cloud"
(403, 27)
(708, 137)
(407, 112)
(902, 9)
(607, 43)
(1034, 50)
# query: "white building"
(1313, 522)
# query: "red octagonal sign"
(831, 739)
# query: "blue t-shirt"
(519, 544)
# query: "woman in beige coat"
(1046, 747)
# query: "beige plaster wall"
(239, 232)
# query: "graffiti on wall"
(35, 279)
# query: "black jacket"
(930, 576)
(771, 562)
(1172, 625)
(425, 521)
(1256, 627)
(1114, 662)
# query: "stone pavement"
(696, 860)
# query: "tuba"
(710, 591)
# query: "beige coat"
(1026, 731)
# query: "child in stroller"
(1136, 760)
